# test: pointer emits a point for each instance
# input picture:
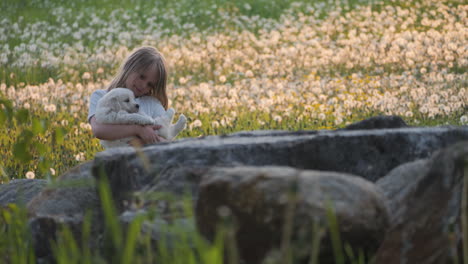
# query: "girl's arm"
(113, 132)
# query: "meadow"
(234, 66)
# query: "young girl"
(143, 72)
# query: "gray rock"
(64, 203)
(20, 191)
(165, 234)
(425, 202)
(401, 182)
(177, 181)
(378, 122)
(271, 133)
(72, 194)
(367, 153)
(258, 201)
(43, 230)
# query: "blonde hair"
(138, 61)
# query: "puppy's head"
(121, 99)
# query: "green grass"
(121, 243)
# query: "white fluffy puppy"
(118, 106)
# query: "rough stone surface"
(20, 191)
(72, 194)
(178, 181)
(425, 199)
(161, 230)
(260, 201)
(401, 182)
(64, 203)
(378, 122)
(367, 153)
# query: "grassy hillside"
(234, 66)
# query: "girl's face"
(141, 83)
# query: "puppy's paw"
(182, 120)
(170, 112)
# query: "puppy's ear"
(115, 102)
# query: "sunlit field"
(244, 65)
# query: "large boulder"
(370, 154)
(425, 203)
(400, 182)
(20, 191)
(378, 122)
(263, 201)
(64, 203)
(72, 194)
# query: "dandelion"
(445, 109)
(215, 124)
(80, 156)
(86, 76)
(409, 114)
(85, 126)
(223, 123)
(30, 175)
(423, 109)
(338, 120)
(222, 79)
(194, 124)
(277, 118)
(464, 119)
(50, 108)
(182, 80)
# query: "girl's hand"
(147, 134)
(161, 139)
